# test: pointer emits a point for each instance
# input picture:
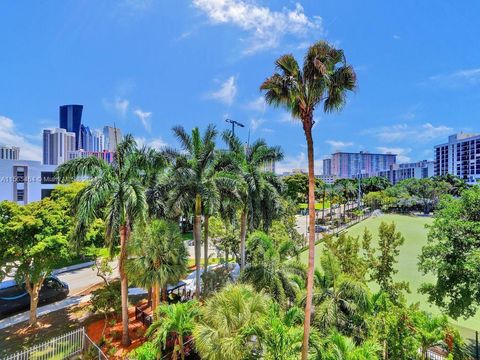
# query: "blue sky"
(149, 65)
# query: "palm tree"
(270, 271)
(174, 320)
(280, 333)
(115, 191)
(229, 319)
(194, 180)
(325, 78)
(430, 330)
(323, 189)
(259, 193)
(339, 347)
(340, 300)
(160, 257)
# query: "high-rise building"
(398, 172)
(9, 152)
(351, 165)
(327, 166)
(98, 141)
(91, 140)
(71, 120)
(57, 143)
(86, 140)
(112, 136)
(460, 156)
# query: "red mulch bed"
(112, 346)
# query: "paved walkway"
(59, 305)
(43, 310)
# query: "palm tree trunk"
(307, 127)
(197, 237)
(154, 298)
(205, 242)
(180, 344)
(124, 234)
(243, 234)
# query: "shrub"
(147, 351)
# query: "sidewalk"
(43, 310)
(59, 305)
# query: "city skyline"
(404, 104)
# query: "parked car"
(14, 297)
(318, 229)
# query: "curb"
(73, 267)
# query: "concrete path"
(43, 310)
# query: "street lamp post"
(233, 122)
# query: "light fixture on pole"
(233, 122)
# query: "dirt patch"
(111, 342)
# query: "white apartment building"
(24, 181)
(398, 172)
(9, 152)
(57, 144)
(460, 156)
(327, 179)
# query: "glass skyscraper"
(71, 120)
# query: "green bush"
(148, 351)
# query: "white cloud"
(9, 135)
(256, 123)
(396, 37)
(227, 91)
(297, 162)
(458, 78)
(265, 27)
(257, 105)
(339, 145)
(268, 130)
(156, 143)
(144, 117)
(399, 132)
(118, 106)
(399, 151)
(287, 118)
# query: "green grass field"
(415, 233)
(318, 205)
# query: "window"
(46, 193)
(19, 174)
(20, 194)
(48, 177)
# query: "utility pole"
(233, 122)
(359, 190)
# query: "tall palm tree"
(227, 327)
(116, 192)
(174, 320)
(324, 79)
(159, 257)
(193, 179)
(270, 271)
(259, 195)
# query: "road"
(82, 279)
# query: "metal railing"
(65, 346)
